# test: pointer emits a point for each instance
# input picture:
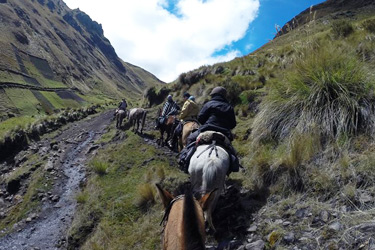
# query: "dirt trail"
(73, 145)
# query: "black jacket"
(217, 115)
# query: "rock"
(252, 229)
(289, 238)
(335, 226)
(367, 227)
(257, 245)
(324, 216)
(28, 220)
(286, 223)
(55, 198)
(92, 148)
(300, 213)
(49, 166)
(365, 198)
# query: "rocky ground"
(244, 219)
(66, 155)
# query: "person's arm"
(232, 119)
(203, 114)
(184, 110)
(165, 109)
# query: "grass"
(329, 89)
(21, 122)
(54, 99)
(122, 200)
(25, 101)
(38, 181)
(100, 168)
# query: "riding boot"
(185, 156)
(234, 161)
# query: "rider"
(122, 106)
(216, 115)
(170, 108)
(189, 112)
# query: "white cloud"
(144, 33)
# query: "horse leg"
(137, 125)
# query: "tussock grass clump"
(369, 25)
(100, 168)
(146, 196)
(328, 92)
(342, 28)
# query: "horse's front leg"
(137, 126)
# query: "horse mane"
(194, 239)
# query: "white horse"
(208, 168)
(120, 115)
(135, 116)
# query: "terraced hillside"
(58, 58)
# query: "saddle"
(211, 138)
(208, 137)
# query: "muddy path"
(67, 156)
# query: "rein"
(168, 210)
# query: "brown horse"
(135, 116)
(184, 220)
(166, 127)
(188, 127)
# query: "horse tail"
(210, 174)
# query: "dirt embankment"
(67, 157)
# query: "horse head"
(184, 219)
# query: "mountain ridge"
(46, 44)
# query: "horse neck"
(185, 226)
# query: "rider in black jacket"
(216, 115)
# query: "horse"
(166, 127)
(207, 172)
(187, 129)
(183, 220)
(120, 115)
(136, 115)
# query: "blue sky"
(169, 37)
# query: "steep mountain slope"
(46, 45)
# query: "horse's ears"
(165, 196)
(207, 199)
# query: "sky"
(170, 37)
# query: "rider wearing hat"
(217, 115)
(189, 112)
(170, 108)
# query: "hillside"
(56, 58)
(305, 110)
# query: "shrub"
(342, 28)
(328, 91)
(369, 25)
(233, 91)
